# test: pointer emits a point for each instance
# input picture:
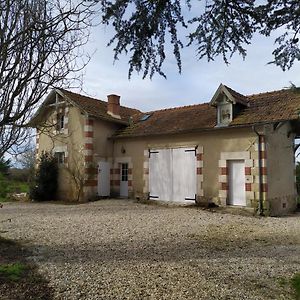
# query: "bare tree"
(76, 167)
(40, 47)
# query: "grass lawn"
(296, 285)
(8, 186)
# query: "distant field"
(8, 186)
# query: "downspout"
(260, 200)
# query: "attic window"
(145, 117)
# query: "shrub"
(45, 184)
(4, 189)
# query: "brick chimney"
(113, 106)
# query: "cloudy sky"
(197, 83)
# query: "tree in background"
(46, 179)
(41, 47)
(213, 27)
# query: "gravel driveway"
(119, 249)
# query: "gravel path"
(118, 249)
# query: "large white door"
(160, 174)
(184, 174)
(172, 174)
(237, 193)
(124, 180)
(103, 179)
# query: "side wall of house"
(281, 169)
(71, 142)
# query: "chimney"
(113, 106)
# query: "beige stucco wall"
(213, 143)
(281, 166)
(103, 146)
(70, 141)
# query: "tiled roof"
(98, 108)
(263, 108)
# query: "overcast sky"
(197, 83)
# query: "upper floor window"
(60, 156)
(224, 113)
(60, 121)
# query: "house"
(236, 150)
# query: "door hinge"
(150, 152)
(155, 197)
(192, 150)
(187, 198)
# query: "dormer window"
(228, 103)
(224, 113)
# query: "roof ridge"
(271, 92)
(94, 99)
(176, 107)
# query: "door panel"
(103, 179)
(160, 174)
(172, 174)
(237, 193)
(184, 174)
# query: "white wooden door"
(103, 179)
(124, 180)
(160, 174)
(237, 193)
(172, 174)
(184, 174)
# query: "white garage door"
(172, 174)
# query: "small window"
(124, 172)
(60, 156)
(60, 121)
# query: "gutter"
(260, 200)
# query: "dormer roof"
(233, 96)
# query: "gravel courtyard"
(119, 249)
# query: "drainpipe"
(260, 200)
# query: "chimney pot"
(113, 106)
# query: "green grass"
(295, 282)
(11, 186)
(12, 272)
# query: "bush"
(4, 189)
(45, 184)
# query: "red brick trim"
(264, 187)
(88, 158)
(247, 170)
(90, 182)
(117, 182)
(129, 182)
(263, 171)
(129, 171)
(199, 171)
(89, 146)
(248, 187)
(224, 171)
(117, 171)
(224, 186)
(89, 134)
(199, 156)
(91, 171)
(89, 122)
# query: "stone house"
(235, 150)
